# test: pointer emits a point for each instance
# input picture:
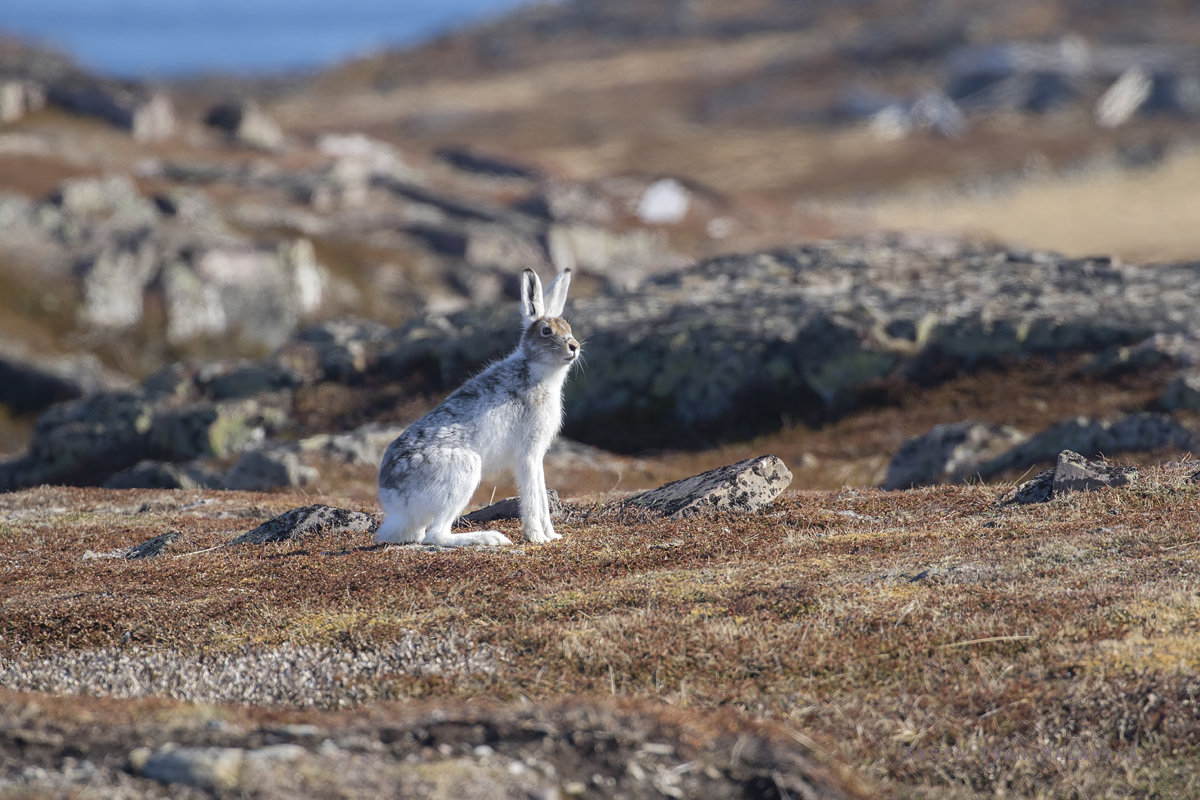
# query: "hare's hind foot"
(448, 539)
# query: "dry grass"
(1139, 216)
(950, 648)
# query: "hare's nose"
(572, 345)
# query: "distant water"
(172, 38)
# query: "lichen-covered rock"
(153, 548)
(1162, 349)
(244, 122)
(114, 285)
(949, 453)
(145, 112)
(1183, 392)
(84, 441)
(727, 348)
(510, 508)
(363, 446)
(269, 468)
(211, 429)
(31, 382)
(151, 474)
(745, 486)
(1129, 434)
(1072, 473)
(212, 768)
(313, 520)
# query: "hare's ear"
(532, 305)
(556, 293)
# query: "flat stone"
(510, 508)
(949, 453)
(309, 521)
(217, 768)
(267, 468)
(152, 548)
(150, 474)
(1038, 489)
(745, 486)
(1074, 473)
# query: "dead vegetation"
(950, 647)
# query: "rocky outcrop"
(314, 520)
(963, 451)
(510, 508)
(746, 486)
(1129, 434)
(245, 123)
(724, 349)
(269, 468)
(31, 382)
(165, 475)
(1071, 473)
(89, 441)
(145, 112)
(950, 453)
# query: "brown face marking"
(559, 336)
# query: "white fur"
(502, 419)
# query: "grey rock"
(249, 379)
(949, 453)
(18, 98)
(114, 285)
(269, 468)
(245, 123)
(151, 474)
(153, 548)
(1160, 350)
(260, 294)
(204, 429)
(145, 112)
(96, 210)
(1183, 392)
(313, 520)
(194, 307)
(745, 486)
(1132, 433)
(84, 441)
(569, 202)
(363, 446)
(345, 349)
(1074, 473)
(510, 508)
(624, 257)
(32, 382)
(726, 348)
(485, 164)
(1038, 489)
(212, 768)
(1071, 473)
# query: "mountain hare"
(503, 418)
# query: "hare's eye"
(546, 331)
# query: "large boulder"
(88, 441)
(729, 347)
(748, 485)
(244, 122)
(145, 112)
(31, 382)
(950, 453)
(1129, 434)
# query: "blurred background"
(894, 241)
